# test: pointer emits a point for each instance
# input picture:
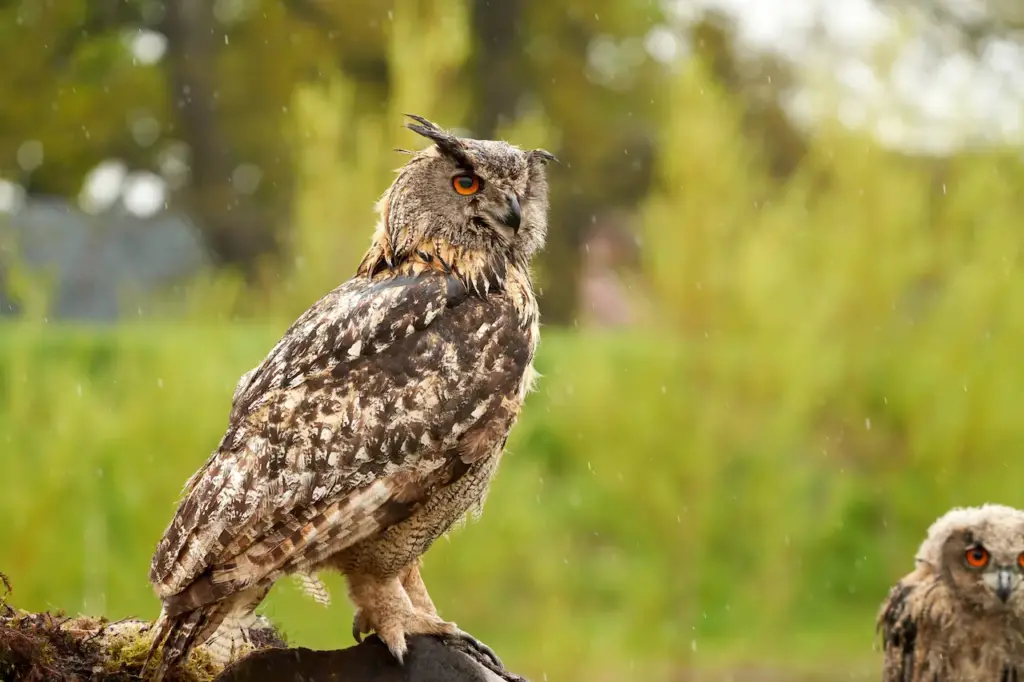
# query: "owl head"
(979, 553)
(486, 196)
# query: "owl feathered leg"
(414, 588)
(398, 607)
(384, 607)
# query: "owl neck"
(483, 272)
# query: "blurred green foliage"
(77, 93)
(830, 363)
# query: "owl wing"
(376, 396)
(900, 622)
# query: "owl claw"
(477, 649)
(360, 624)
(482, 654)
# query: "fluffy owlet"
(960, 614)
(379, 418)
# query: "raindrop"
(867, 423)
(78, 389)
(159, 383)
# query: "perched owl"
(379, 418)
(960, 614)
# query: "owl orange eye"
(466, 184)
(977, 557)
(1020, 560)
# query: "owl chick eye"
(466, 184)
(977, 557)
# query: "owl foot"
(394, 633)
(385, 607)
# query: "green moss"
(126, 653)
(44, 646)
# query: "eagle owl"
(379, 418)
(960, 614)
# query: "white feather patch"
(313, 588)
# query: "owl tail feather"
(179, 634)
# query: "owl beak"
(1004, 584)
(514, 215)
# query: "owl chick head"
(483, 195)
(979, 553)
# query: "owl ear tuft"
(447, 143)
(543, 155)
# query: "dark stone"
(428, 660)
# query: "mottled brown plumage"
(959, 616)
(378, 419)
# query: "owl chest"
(968, 655)
(404, 542)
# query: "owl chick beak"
(1002, 583)
(513, 217)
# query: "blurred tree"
(218, 78)
(236, 236)
(758, 83)
(497, 73)
(975, 24)
(226, 82)
(70, 91)
(357, 32)
(592, 78)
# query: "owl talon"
(360, 625)
(469, 644)
(482, 654)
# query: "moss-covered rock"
(57, 648)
